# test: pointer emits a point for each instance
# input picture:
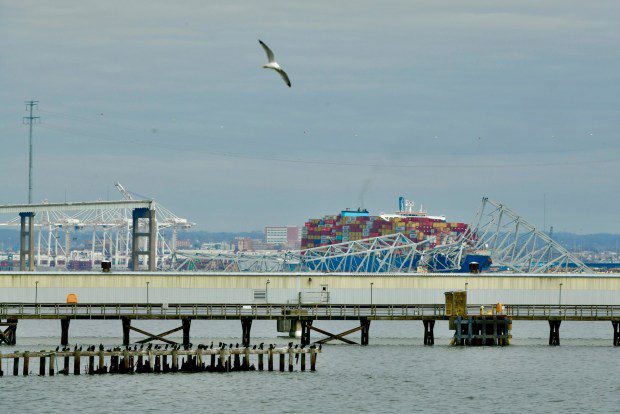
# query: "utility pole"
(30, 105)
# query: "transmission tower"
(30, 105)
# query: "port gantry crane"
(110, 236)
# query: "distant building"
(184, 244)
(245, 244)
(289, 236)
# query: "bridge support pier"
(365, 325)
(246, 326)
(151, 251)
(306, 325)
(616, 325)
(429, 336)
(64, 331)
(26, 249)
(9, 335)
(554, 332)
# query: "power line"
(30, 105)
(283, 159)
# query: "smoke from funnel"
(366, 185)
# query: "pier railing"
(312, 311)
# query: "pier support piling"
(186, 324)
(306, 325)
(246, 326)
(429, 336)
(64, 331)
(616, 326)
(126, 328)
(365, 328)
(554, 332)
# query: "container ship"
(418, 226)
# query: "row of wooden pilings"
(128, 361)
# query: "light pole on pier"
(267, 290)
(36, 292)
(147, 292)
(371, 283)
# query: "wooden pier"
(304, 316)
(160, 359)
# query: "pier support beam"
(246, 326)
(554, 332)
(365, 328)
(616, 325)
(186, 323)
(9, 334)
(150, 235)
(64, 331)
(429, 336)
(306, 325)
(126, 329)
(26, 249)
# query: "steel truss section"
(393, 253)
(516, 244)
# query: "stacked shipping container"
(343, 228)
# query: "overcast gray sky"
(443, 102)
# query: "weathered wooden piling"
(76, 362)
(175, 360)
(260, 362)
(91, 364)
(42, 365)
(101, 368)
(290, 359)
(193, 360)
(616, 326)
(65, 368)
(313, 359)
(52, 371)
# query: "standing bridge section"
(142, 210)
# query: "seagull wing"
(268, 51)
(284, 76)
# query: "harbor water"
(394, 374)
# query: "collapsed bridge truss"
(509, 240)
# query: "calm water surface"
(395, 374)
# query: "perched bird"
(273, 64)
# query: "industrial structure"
(497, 235)
(118, 230)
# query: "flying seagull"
(273, 64)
